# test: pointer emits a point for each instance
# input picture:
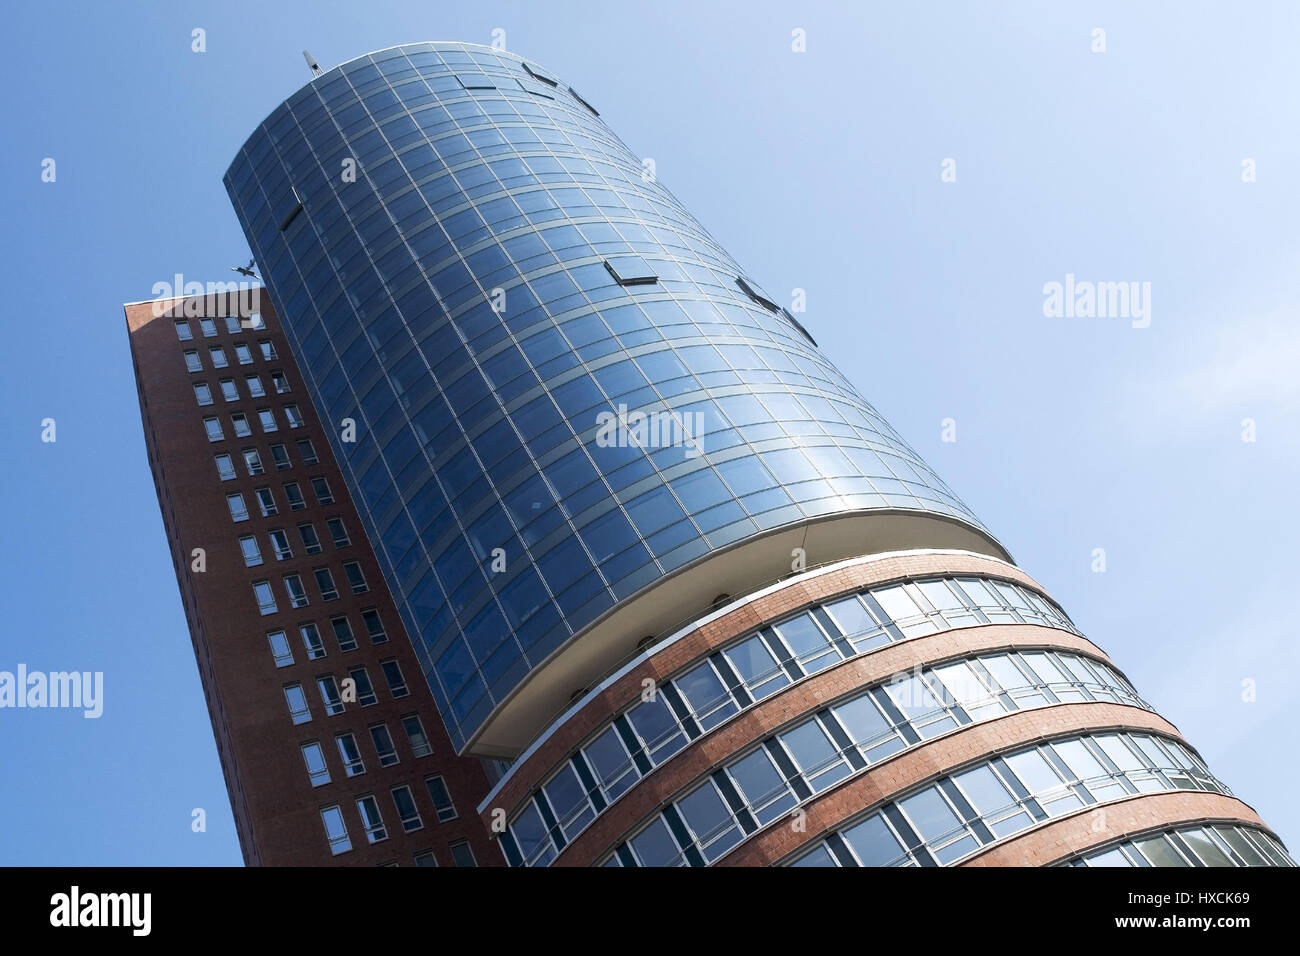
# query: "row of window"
(946, 821)
(234, 325)
(253, 459)
(1219, 845)
(386, 751)
(341, 626)
(243, 429)
(408, 815)
(293, 586)
(357, 685)
(283, 551)
(788, 768)
(230, 390)
(266, 499)
(758, 665)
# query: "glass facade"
(541, 352)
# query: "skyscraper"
(648, 544)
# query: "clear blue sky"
(817, 170)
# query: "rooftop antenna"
(246, 270)
(311, 62)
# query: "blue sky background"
(817, 170)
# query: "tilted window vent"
(577, 97)
(293, 213)
(537, 89)
(795, 322)
(538, 73)
(631, 270)
(476, 81)
(757, 294)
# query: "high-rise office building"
(649, 545)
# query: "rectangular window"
(310, 542)
(229, 392)
(336, 830)
(243, 354)
(426, 858)
(238, 510)
(329, 693)
(242, 428)
(202, 393)
(317, 771)
(374, 626)
(320, 487)
(255, 321)
(183, 331)
(252, 553)
(352, 762)
(393, 674)
(406, 809)
(343, 633)
(209, 328)
(266, 418)
(280, 381)
(365, 690)
(280, 455)
(307, 451)
(225, 467)
(293, 415)
(371, 821)
(218, 356)
(441, 798)
(268, 350)
(297, 593)
(253, 462)
(356, 577)
(280, 648)
(193, 362)
(325, 581)
(265, 597)
(416, 736)
(213, 428)
(384, 745)
(297, 702)
(254, 384)
(266, 502)
(462, 855)
(232, 324)
(296, 501)
(280, 545)
(338, 532)
(311, 640)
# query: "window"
(352, 763)
(254, 383)
(213, 427)
(280, 381)
(371, 821)
(280, 545)
(317, 772)
(229, 392)
(268, 350)
(243, 354)
(253, 462)
(338, 532)
(426, 858)
(384, 745)
(461, 854)
(307, 451)
(294, 494)
(218, 356)
(374, 626)
(321, 488)
(280, 648)
(311, 640)
(356, 577)
(293, 415)
(441, 798)
(365, 690)
(393, 674)
(266, 418)
(238, 510)
(710, 820)
(242, 428)
(297, 702)
(406, 809)
(329, 693)
(255, 321)
(225, 467)
(209, 328)
(280, 455)
(416, 736)
(631, 270)
(203, 393)
(343, 633)
(252, 554)
(266, 502)
(265, 597)
(336, 830)
(325, 581)
(232, 324)
(310, 542)
(193, 362)
(297, 593)
(183, 331)
(608, 758)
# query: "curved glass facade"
(1220, 845)
(542, 352)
